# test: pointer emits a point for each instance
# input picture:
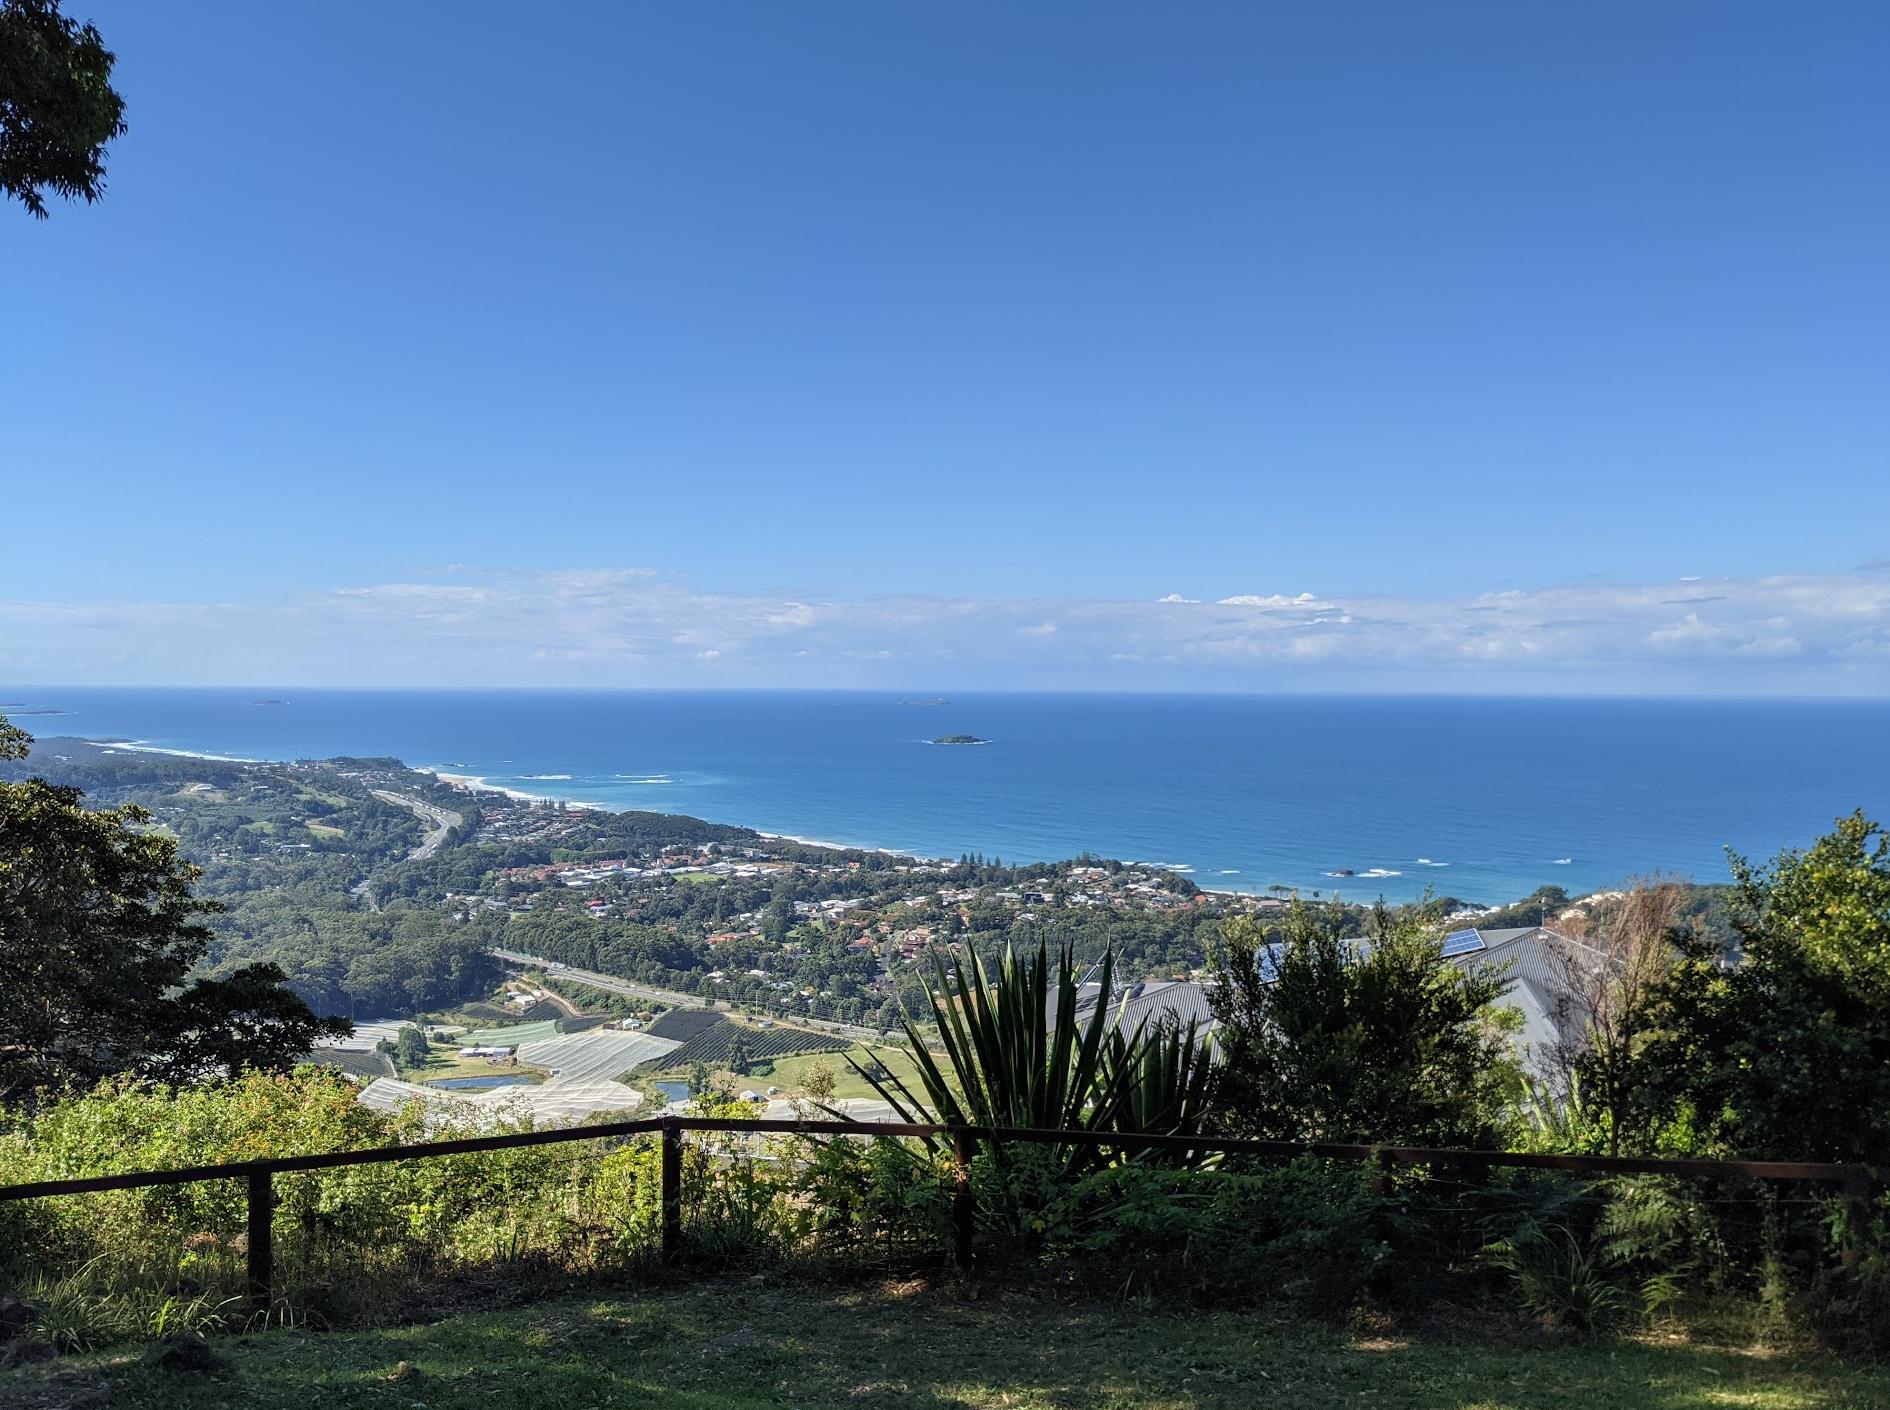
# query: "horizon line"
(922, 693)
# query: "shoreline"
(477, 783)
(838, 846)
(135, 746)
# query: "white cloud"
(1305, 599)
(1814, 633)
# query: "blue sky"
(859, 343)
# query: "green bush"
(346, 1239)
(1309, 1232)
(882, 1201)
(359, 1244)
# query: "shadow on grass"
(735, 1345)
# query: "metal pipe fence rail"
(1857, 1182)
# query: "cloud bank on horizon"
(1806, 633)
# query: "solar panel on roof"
(1462, 942)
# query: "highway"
(440, 821)
(673, 997)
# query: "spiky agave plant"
(1018, 1052)
(1170, 1073)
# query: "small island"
(959, 739)
(269, 702)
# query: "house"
(1535, 961)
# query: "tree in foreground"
(99, 935)
(1782, 1051)
(57, 105)
(1375, 1039)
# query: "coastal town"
(772, 924)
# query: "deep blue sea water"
(1480, 798)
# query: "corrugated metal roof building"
(1531, 957)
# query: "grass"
(446, 1062)
(790, 1073)
(333, 800)
(510, 1035)
(745, 1345)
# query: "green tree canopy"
(1329, 1039)
(1784, 1052)
(57, 105)
(99, 934)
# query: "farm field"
(722, 1345)
(560, 1102)
(595, 1057)
(356, 1062)
(790, 1074)
(445, 1062)
(510, 1035)
(367, 1033)
(714, 1044)
(683, 1024)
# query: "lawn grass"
(741, 1345)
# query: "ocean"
(1483, 799)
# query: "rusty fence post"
(672, 1190)
(261, 1253)
(964, 1202)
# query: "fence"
(1857, 1182)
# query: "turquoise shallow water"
(1480, 798)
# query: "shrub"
(1309, 1232)
(881, 1200)
(1557, 1278)
(1004, 1066)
